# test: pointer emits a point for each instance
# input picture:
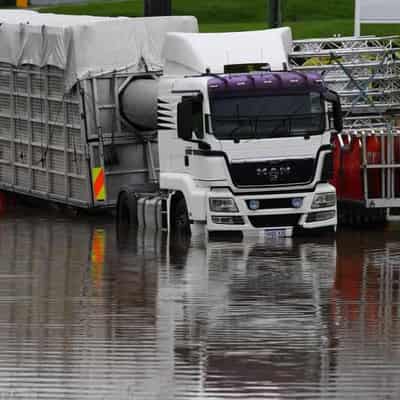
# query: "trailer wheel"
(127, 209)
(181, 222)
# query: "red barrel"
(347, 177)
(353, 171)
(374, 156)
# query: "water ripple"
(87, 312)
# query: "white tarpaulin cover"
(379, 11)
(84, 45)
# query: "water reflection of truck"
(244, 317)
(224, 137)
(95, 315)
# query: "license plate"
(275, 233)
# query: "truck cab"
(244, 143)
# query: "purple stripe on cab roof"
(267, 81)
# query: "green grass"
(342, 27)
(307, 18)
(298, 10)
(105, 8)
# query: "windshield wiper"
(234, 130)
(235, 139)
(255, 131)
(282, 123)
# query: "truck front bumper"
(276, 212)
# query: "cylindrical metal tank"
(138, 103)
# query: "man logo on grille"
(274, 173)
(262, 171)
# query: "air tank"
(138, 103)
(347, 177)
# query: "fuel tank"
(138, 103)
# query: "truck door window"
(198, 125)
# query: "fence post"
(154, 8)
(357, 18)
(275, 15)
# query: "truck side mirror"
(190, 117)
(337, 115)
(333, 97)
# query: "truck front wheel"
(181, 222)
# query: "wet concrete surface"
(87, 312)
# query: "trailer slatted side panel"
(42, 144)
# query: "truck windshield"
(259, 117)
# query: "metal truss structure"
(364, 71)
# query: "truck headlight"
(323, 200)
(224, 205)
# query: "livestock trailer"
(61, 134)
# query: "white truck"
(177, 129)
(243, 143)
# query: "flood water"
(87, 312)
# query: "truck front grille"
(283, 172)
(271, 221)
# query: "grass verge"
(307, 18)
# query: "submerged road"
(87, 312)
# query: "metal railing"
(386, 161)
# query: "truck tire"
(127, 209)
(181, 222)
